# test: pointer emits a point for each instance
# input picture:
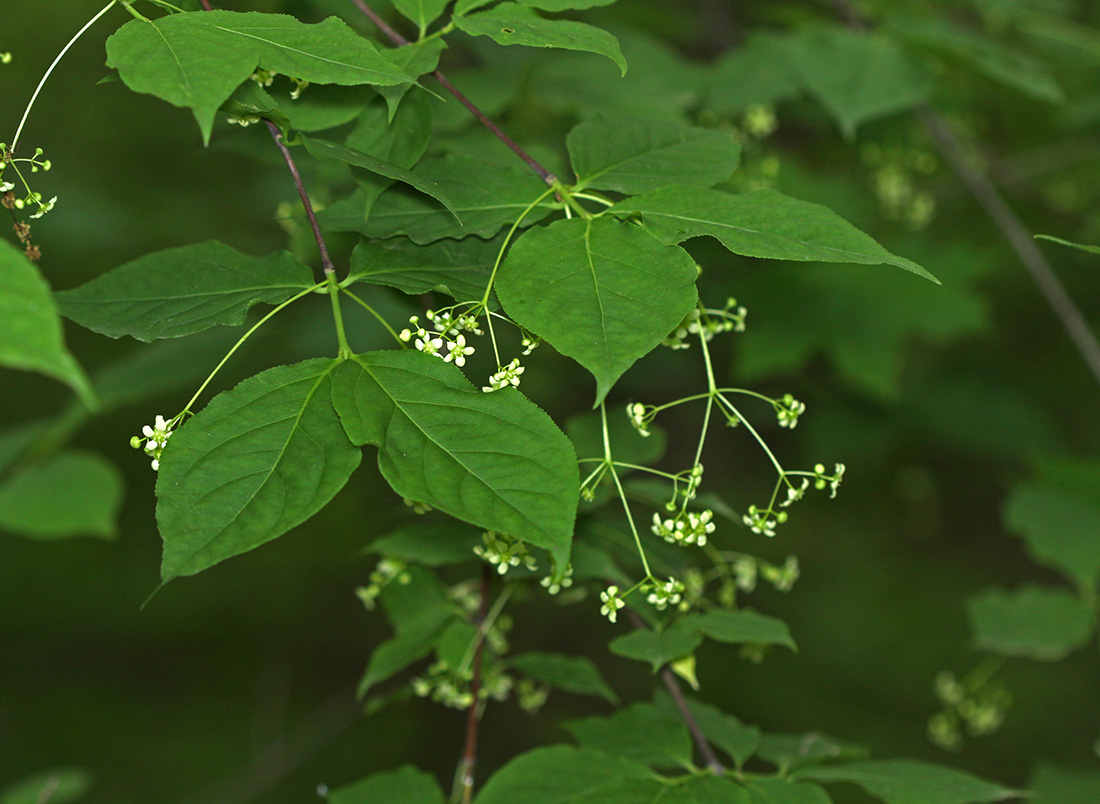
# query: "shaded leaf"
(456, 645)
(459, 268)
(255, 462)
(657, 648)
(31, 338)
(494, 460)
(740, 626)
(421, 12)
(1083, 247)
(55, 786)
(721, 729)
(1051, 784)
(1060, 531)
(763, 223)
(901, 781)
(515, 24)
(394, 655)
(636, 156)
(73, 493)
(575, 674)
(433, 544)
(705, 790)
(406, 785)
(196, 60)
(785, 791)
(600, 291)
(1044, 624)
(416, 59)
(565, 775)
(789, 751)
(564, 5)
(641, 733)
(180, 291)
(755, 73)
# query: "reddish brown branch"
(206, 5)
(465, 776)
(399, 40)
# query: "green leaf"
(418, 596)
(564, 5)
(196, 60)
(1044, 624)
(406, 785)
(494, 460)
(254, 463)
(902, 781)
(55, 786)
(722, 730)
(1051, 784)
(600, 291)
(999, 62)
(1051, 238)
(736, 627)
(570, 673)
(763, 223)
(323, 107)
(641, 733)
(434, 544)
(789, 751)
(656, 648)
(180, 291)
(565, 775)
(455, 648)
(421, 12)
(416, 59)
(484, 198)
(322, 149)
(636, 156)
(756, 72)
(785, 791)
(857, 77)
(31, 338)
(1060, 531)
(459, 268)
(705, 790)
(514, 24)
(409, 645)
(73, 493)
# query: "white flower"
(507, 375)
(427, 344)
(838, 475)
(636, 412)
(5, 186)
(758, 521)
(611, 603)
(664, 594)
(795, 494)
(504, 551)
(457, 351)
(553, 587)
(788, 409)
(155, 438)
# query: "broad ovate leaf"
(725, 731)
(515, 24)
(254, 463)
(196, 59)
(633, 156)
(406, 785)
(576, 674)
(1060, 530)
(31, 338)
(763, 223)
(641, 732)
(1044, 624)
(902, 781)
(180, 291)
(565, 775)
(601, 291)
(73, 493)
(494, 460)
(657, 648)
(459, 268)
(737, 627)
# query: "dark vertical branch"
(468, 762)
(399, 40)
(206, 5)
(326, 261)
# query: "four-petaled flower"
(611, 603)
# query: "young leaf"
(858, 77)
(1044, 624)
(565, 775)
(640, 732)
(323, 149)
(31, 338)
(570, 673)
(416, 59)
(74, 493)
(484, 198)
(901, 781)
(515, 24)
(433, 545)
(421, 12)
(406, 785)
(656, 648)
(493, 460)
(636, 156)
(722, 730)
(180, 291)
(1081, 246)
(196, 60)
(784, 791)
(1059, 530)
(763, 223)
(754, 73)
(600, 291)
(409, 645)
(254, 463)
(459, 268)
(741, 626)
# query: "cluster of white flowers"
(821, 479)
(708, 323)
(686, 529)
(744, 573)
(788, 409)
(782, 578)
(448, 324)
(530, 343)
(611, 603)
(553, 587)
(759, 522)
(663, 594)
(505, 376)
(155, 438)
(504, 552)
(434, 344)
(443, 686)
(794, 494)
(32, 198)
(640, 417)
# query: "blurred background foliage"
(965, 416)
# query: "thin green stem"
(374, 313)
(763, 444)
(64, 50)
(334, 295)
(245, 337)
(622, 494)
(599, 199)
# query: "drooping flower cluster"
(821, 479)
(387, 571)
(504, 552)
(640, 417)
(788, 409)
(155, 438)
(708, 323)
(795, 493)
(504, 377)
(663, 594)
(687, 528)
(612, 602)
(435, 344)
(32, 198)
(760, 521)
(552, 586)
